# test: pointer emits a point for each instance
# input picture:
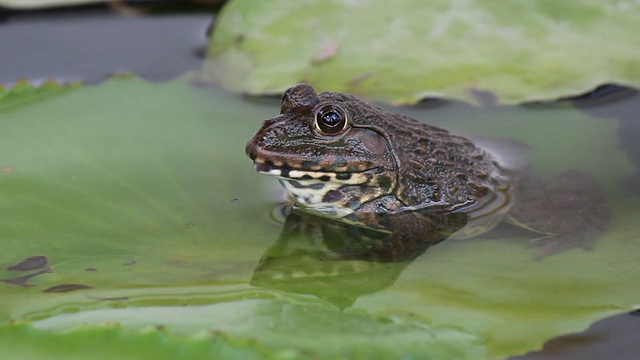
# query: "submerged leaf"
(403, 52)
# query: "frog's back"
(435, 168)
(441, 171)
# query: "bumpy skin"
(418, 165)
(341, 158)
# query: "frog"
(341, 158)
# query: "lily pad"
(23, 92)
(136, 203)
(403, 52)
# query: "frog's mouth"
(291, 173)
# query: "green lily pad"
(403, 52)
(134, 204)
(23, 92)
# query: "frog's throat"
(329, 199)
(327, 194)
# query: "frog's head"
(325, 150)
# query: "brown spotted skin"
(342, 158)
(420, 164)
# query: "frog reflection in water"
(354, 163)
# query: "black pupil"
(331, 118)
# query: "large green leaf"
(149, 213)
(23, 92)
(405, 51)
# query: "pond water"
(148, 212)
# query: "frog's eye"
(331, 119)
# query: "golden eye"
(331, 119)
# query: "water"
(142, 192)
(55, 45)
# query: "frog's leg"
(569, 211)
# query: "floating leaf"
(403, 52)
(149, 184)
